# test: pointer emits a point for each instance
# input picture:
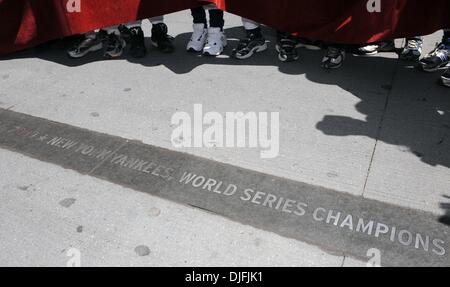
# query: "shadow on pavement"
(413, 111)
(446, 207)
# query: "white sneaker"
(198, 38)
(215, 42)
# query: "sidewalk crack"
(380, 125)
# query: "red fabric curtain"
(26, 23)
(345, 21)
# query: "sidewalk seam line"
(107, 158)
(380, 126)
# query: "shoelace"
(161, 30)
(112, 41)
(414, 45)
(287, 45)
(441, 52)
(213, 38)
(134, 36)
(333, 52)
(197, 35)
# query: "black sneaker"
(375, 48)
(412, 50)
(334, 58)
(87, 45)
(134, 37)
(114, 47)
(286, 47)
(160, 39)
(249, 46)
(386, 46)
(446, 78)
(437, 59)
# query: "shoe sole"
(192, 50)
(334, 67)
(288, 60)
(225, 43)
(365, 54)
(90, 50)
(308, 47)
(117, 55)
(410, 59)
(432, 70)
(446, 82)
(154, 44)
(212, 55)
(259, 49)
(299, 46)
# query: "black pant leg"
(216, 18)
(199, 15)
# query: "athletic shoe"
(286, 47)
(134, 36)
(250, 45)
(375, 48)
(368, 50)
(87, 45)
(412, 50)
(437, 59)
(198, 38)
(114, 47)
(216, 41)
(446, 78)
(160, 39)
(334, 58)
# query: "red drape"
(346, 21)
(25, 23)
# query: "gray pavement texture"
(377, 129)
(340, 223)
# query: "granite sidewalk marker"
(339, 223)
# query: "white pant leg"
(249, 24)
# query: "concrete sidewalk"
(376, 128)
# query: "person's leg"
(200, 32)
(216, 40)
(254, 41)
(160, 38)
(199, 16)
(439, 58)
(334, 57)
(413, 49)
(216, 19)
